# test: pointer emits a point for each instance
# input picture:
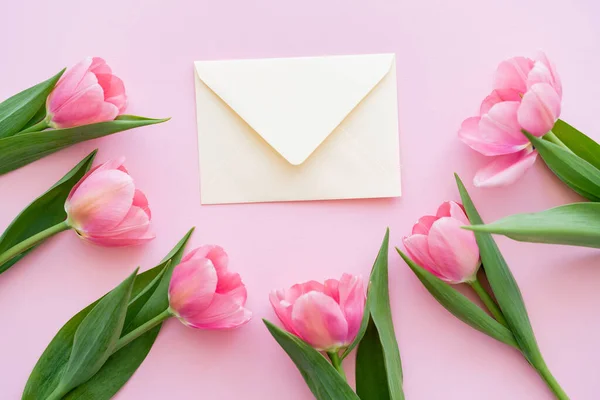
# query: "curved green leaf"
(18, 110)
(320, 376)
(577, 173)
(580, 144)
(120, 366)
(19, 150)
(44, 212)
(381, 335)
(503, 284)
(96, 338)
(576, 224)
(459, 305)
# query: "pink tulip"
(441, 246)
(527, 96)
(105, 208)
(87, 93)
(326, 316)
(204, 294)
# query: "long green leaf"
(580, 144)
(383, 334)
(459, 305)
(577, 173)
(96, 337)
(19, 150)
(44, 212)
(120, 366)
(576, 224)
(371, 377)
(503, 284)
(18, 110)
(323, 380)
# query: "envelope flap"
(294, 103)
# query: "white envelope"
(309, 128)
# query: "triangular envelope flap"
(295, 103)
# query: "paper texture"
(297, 129)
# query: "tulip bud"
(527, 96)
(105, 208)
(87, 93)
(204, 294)
(440, 245)
(326, 316)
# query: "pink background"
(447, 52)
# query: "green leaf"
(44, 212)
(459, 305)
(18, 110)
(383, 335)
(580, 144)
(503, 284)
(576, 224)
(120, 366)
(38, 117)
(19, 150)
(96, 338)
(323, 380)
(577, 173)
(371, 378)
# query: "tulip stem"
(32, 241)
(139, 331)
(552, 138)
(488, 301)
(551, 381)
(337, 363)
(40, 126)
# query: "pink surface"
(447, 52)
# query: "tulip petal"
(319, 321)
(115, 93)
(505, 170)
(501, 127)
(283, 309)
(224, 315)
(101, 201)
(512, 74)
(140, 200)
(227, 280)
(225, 311)
(122, 240)
(498, 96)
(192, 287)
(417, 248)
(423, 225)
(454, 250)
(454, 210)
(555, 80)
(332, 289)
(67, 84)
(473, 137)
(539, 109)
(99, 66)
(352, 301)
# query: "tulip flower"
(527, 97)
(103, 208)
(441, 246)
(326, 316)
(205, 294)
(438, 243)
(87, 93)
